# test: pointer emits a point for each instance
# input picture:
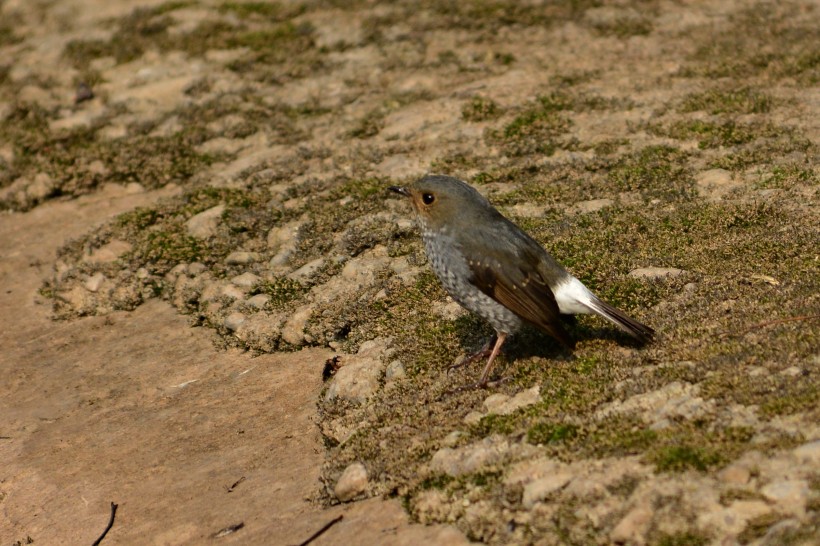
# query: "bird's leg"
(491, 362)
(483, 383)
(478, 355)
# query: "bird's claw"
(467, 360)
(481, 354)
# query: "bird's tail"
(641, 332)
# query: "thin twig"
(772, 323)
(109, 526)
(236, 483)
(321, 531)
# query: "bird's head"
(439, 200)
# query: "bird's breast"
(451, 266)
(446, 259)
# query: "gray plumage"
(491, 267)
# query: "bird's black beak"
(399, 189)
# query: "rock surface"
(358, 377)
(352, 483)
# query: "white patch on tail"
(573, 298)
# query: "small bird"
(492, 268)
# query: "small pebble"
(395, 370)
(241, 258)
(258, 301)
(540, 489)
(233, 321)
(656, 272)
(792, 371)
(204, 225)
(307, 271)
(245, 280)
(352, 482)
(809, 452)
(196, 268)
(94, 282)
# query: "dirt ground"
(139, 409)
(194, 219)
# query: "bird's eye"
(428, 198)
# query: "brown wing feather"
(525, 294)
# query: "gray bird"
(491, 267)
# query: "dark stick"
(236, 483)
(319, 533)
(109, 526)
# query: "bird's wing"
(522, 291)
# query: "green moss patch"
(742, 100)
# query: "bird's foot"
(481, 354)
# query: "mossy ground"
(748, 299)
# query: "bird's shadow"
(530, 342)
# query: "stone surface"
(294, 330)
(109, 252)
(282, 241)
(674, 400)
(94, 282)
(259, 329)
(395, 370)
(357, 274)
(541, 488)
(808, 453)
(531, 470)
(471, 458)
(453, 438)
(449, 310)
(205, 224)
(791, 371)
(352, 483)
(655, 272)
(196, 268)
(790, 495)
(473, 417)
(431, 506)
(733, 519)
(232, 291)
(245, 280)
(504, 405)
(241, 257)
(27, 191)
(593, 205)
(358, 378)
(234, 321)
(494, 402)
(259, 301)
(305, 273)
(715, 184)
(737, 474)
(41, 187)
(632, 529)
